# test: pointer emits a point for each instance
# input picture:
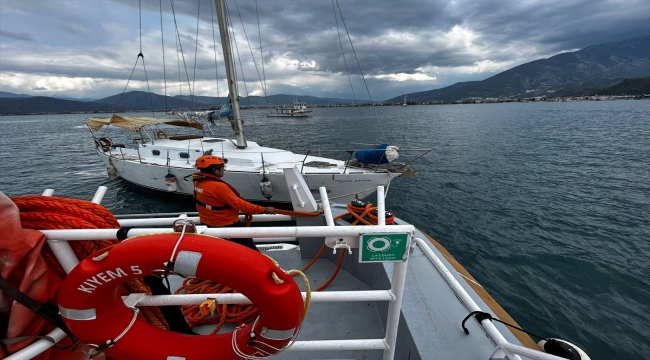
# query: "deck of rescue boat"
(328, 320)
(430, 323)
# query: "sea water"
(546, 204)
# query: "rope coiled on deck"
(52, 212)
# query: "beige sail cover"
(132, 123)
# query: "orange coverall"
(218, 195)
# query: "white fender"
(578, 354)
(112, 172)
(170, 182)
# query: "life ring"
(91, 306)
(162, 134)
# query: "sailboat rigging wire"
(153, 114)
(144, 67)
(196, 46)
(180, 44)
(347, 70)
(140, 18)
(162, 41)
(359, 65)
(143, 64)
(251, 48)
(259, 34)
(264, 88)
(178, 65)
(250, 106)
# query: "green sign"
(383, 247)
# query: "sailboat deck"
(183, 153)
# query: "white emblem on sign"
(378, 244)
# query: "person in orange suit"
(218, 202)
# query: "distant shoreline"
(458, 102)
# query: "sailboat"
(159, 161)
(404, 103)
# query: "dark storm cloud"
(402, 47)
(20, 37)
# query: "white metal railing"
(58, 241)
(511, 350)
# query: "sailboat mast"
(230, 71)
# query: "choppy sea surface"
(546, 204)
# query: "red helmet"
(203, 162)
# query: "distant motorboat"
(299, 109)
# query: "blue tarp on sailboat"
(374, 156)
(225, 110)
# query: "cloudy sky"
(89, 48)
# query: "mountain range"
(621, 68)
(592, 70)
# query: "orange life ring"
(91, 306)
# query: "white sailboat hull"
(244, 171)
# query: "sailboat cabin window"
(155, 152)
(184, 155)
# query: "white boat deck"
(183, 153)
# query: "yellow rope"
(307, 289)
(293, 273)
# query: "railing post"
(139, 157)
(347, 162)
(395, 306)
(303, 161)
(61, 248)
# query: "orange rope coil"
(52, 212)
(237, 313)
(360, 214)
(233, 313)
